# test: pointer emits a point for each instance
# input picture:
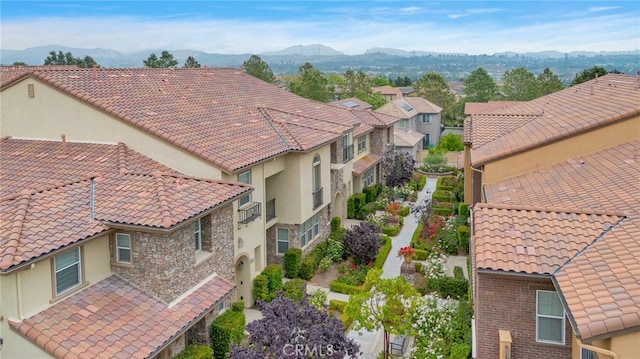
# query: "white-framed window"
(197, 234)
(68, 270)
(362, 143)
(549, 317)
(282, 240)
(123, 248)
(403, 123)
(245, 177)
(587, 354)
(316, 174)
(368, 177)
(221, 306)
(426, 118)
(309, 229)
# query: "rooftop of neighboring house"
(576, 221)
(486, 108)
(566, 113)
(407, 90)
(407, 107)
(223, 116)
(351, 103)
(48, 186)
(114, 319)
(387, 90)
(407, 138)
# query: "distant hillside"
(385, 62)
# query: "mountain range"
(387, 62)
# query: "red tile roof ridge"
(167, 220)
(265, 114)
(549, 209)
(51, 187)
(10, 248)
(122, 157)
(188, 177)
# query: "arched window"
(317, 183)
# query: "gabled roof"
(422, 105)
(376, 119)
(114, 319)
(351, 103)
(387, 90)
(223, 116)
(407, 107)
(407, 138)
(365, 163)
(488, 108)
(562, 114)
(47, 203)
(598, 283)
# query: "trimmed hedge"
(338, 305)
(381, 257)
(417, 233)
(464, 232)
(391, 230)
(351, 210)
(442, 211)
(273, 272)
(359, 201)
(261, 288)
(420, 255)
(383, 253)
(458, 272)
(446, 183)
(237, 306)
(418, 267)
(405, 211)
(463, 209)
(336, 223)
(451, 287)
(344, 288)
(442, 195)
(292, 261)
(194, 351)
(295, 289)
(422, 182)
(227, 328)
(307, 267)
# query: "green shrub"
(369, 194)
(441, 195)
(405, 211)
(292, 259)
(336, 223)
(391, 230)
(344, 288)
(417, 233)
(369, 208)
(227, 328)
(422, 182)
(261, 288)
(451, 287)
(274, 275)
(446, 183)
(463, 237)
(458, 272)
(237, 306)
(325, 264)
(335, 250)
(383, 253)
(194, 351)
(463, 209)
(318, 298)
(449, 241)
(418, 266)
(351, 211)
(320, 251)
(359, 201)
(442, 211)
(295, 289)
(307, 267)
(420, 254)
(336, 304)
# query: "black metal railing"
(250, 213)
(317, 198)
(347, 153)
(270, 209)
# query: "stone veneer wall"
(164, 265)
(294, 241)
(509, 303)
(378, 141)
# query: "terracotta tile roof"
(488, 108)
(44, 209)
(533, 241)
(113, 319)
(407, 138)
(598, 284)
(422, 106)
(480, 130)
(376, 119)
(351, 103)
(223, 116)
(387, 90)
(407, 107)
(565, 113)
(365, 163)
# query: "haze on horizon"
(352, 27)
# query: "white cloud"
(602, 8)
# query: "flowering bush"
(435, 266)
(406, 251)
(394, 208)
(431, 320)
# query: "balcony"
(270, 210)
(347, 153)
(250, 213)
(317, 197)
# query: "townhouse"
(554, 183)
(290, 162)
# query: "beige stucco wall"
(83, 123)
(556, 152)
(626, 346)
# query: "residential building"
(389, 93)
(420, 123)
(555, 223)
(107, 253)
(296, 153)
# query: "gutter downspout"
(596, 349)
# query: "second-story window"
(403, 123)
(316, 180)
(197, 235)
(362, 143)
(425, 118)
(245, 177)
(123, 248)
(68, 270)
(347, 149)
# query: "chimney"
(65, 150)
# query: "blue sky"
(473, 27)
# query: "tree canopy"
(310, 83)
(191, 62)
(363, 242)
(257, 67)
(479, 86)
(68, 59)
(548, 82)
(397, 167)
(520, 85)
(387, 305)
(288, 328)
(588, 74)
(450, 142)
(165, 61)
(433, 87)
